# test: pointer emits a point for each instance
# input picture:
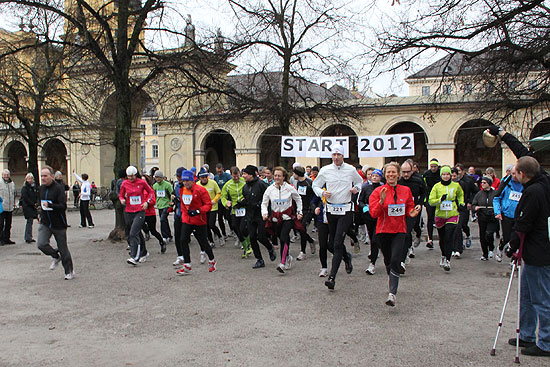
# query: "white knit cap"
(338, 148)
(296, 164)
(131, 171)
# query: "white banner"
(321, 147)
(395, 145)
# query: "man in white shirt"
(341, 180)
(85, 194)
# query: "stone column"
(199, 159)
(247, 156)
(444, 152)
(507, 157)
(376, 162)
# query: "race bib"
(515, 195)
(396, 210)
(186, 199)
(278, 203)
(135, 200)
(338, 209)
(302, 190)
(44, 206)
(446, 205)
(161, 193)
(240, 212)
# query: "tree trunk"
(32, 163)
(122, 131)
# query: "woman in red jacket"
(195, 203)
(390, 204)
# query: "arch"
(470, 150)
(269, 144)
(219, 147)
(420, 143)
(541, 128)
(408, 118)
(343, 130)
(15, 154)
(55, 155)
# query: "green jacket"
(163, 191)
(232, 191)
(455, 195)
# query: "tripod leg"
(493, 351)
(517, 321)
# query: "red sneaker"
(212, 266)
(186, 269)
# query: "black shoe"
(9, 242)
(535, 351)
(522, 343)
(430, 244)
(272, 254)
(330, 283)
(31, 241)
(162, 248)
(349, 266)
(259, 264)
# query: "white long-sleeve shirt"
(339, 181)
(281, 199)
(85, 187)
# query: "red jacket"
(200, 199)
(150, 211)
(387, 223)
(137, 191)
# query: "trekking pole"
(518, 260)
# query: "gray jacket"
(7, 193)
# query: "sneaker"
(288, 263)
(411, 253)
(407, 260)
(447, 265)
(272, 254)
(323, 273)
(281, 268)
(69, 276)
(522, 343)
(147, 236)
(186, 269)
(212, 244)
(391, 300)
(92, 226)
(221, 241)
(162, 247)
(212, 266)
(330, 282)
(237, 243)
(203, 257)
(498, 258)
(144, 258)
(312, 247)
(491, 254)
(453, 254)
(430, 244)
(498, 254)
(402, 268)
(293, 238)
(483, 258)
(178, 262)
(54, 263)
(301, 256)
(416, 242)
(370, 270)
(81, 226)
(356, 247)
(442, 261)
(457, 255)
(132, 261)
(535, 351)
(468, 242)
(259, 264)
(349, 265)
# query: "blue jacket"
(502, 203)
(1, 206)
(222, 179)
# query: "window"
(426, 90)
(143, 130)
(155, 150)
(143, 151)
(155, 128)
(447, 89)
(468, 88)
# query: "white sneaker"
(237, 242)
(312, 247)
(221, 241)
(453, 254)
(69, 276)
(54, 263)
(301, 257)
(483, 258)
(407, 260)
(498, 255)
(447, 265)
(203, 257)
(323, 273)
(442, 261)
(491, 254)
(288, 263)
(281, 268)
(457, 255)
(416, 242)
(391, 300)
(178, 262)
(370, 270)
(293, 238)
(144, 258)
(186, 269)
(132, 261)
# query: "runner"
(446, 197)
(431, 177)
(195, 204)
(221, 179)
(470, 189)
(215, 194)
(303, 186)
(163, 191)
(85, 196)
(232, 193)
(137, 195)
(253, 193)
(488, 225)
(366, 191)
(177, 217)
(391, 204)
(341, 180)
(150, 224)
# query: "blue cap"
(203, 172)
(187, 176)
(194, 169)
(179, 171)
(378, 172)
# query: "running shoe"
(407, 260)
(132, 261)
(301, 256)
(144, 258)
(259, 264)
(348, 264)
(92, 226)
(293, 238)
(288, 263)
(221, 241)
(237, 243)
(178, 262)
(312, 247)
(391, 300)
(416, 242)
(411, 253)
(69, 276)
(54, 262)
(323, 273)
(402, 268)
(447, 265)
(457, 255)
(281, 268)
(272, 254)
(442, 261)
(483, 258)
(330, 282)
(203, 257)
(468, 242)
(162, 247)
(212, 266)
(491, 254)
(370, 270)
(498, 255)
(147, 236)
(212, 244)
(430, 244)
(186, 269)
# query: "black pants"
(326, 243)
(338, 226)
(134, 223)
(62, 250)
(282, 230)
(239, 226)
(151, 223)
(177, 235)
(408, 236)
(462, 226)
(446, 239)
(304, 236)
(85, 213)
(256, 229)
(507, 225)
(487, 230)
(392, 245)
(374, 245)
(211, 220)
(430, 212)
(200, 235)
(418, 220)
(5, 225)
(164, 225)
(224, 214)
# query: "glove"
(494, 129)
(509, 252)
(192, 213)
(444, 197)
(365, 208)
(462, 208)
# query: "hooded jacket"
(232, 191)
(7, 192)
(507, 197)
(396, 197)
(200, 200)
(454, 194)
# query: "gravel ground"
(115, 315)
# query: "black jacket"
(417, 186)
(484, 199)
(55, 218)
(431, 179)
(29, 201)
(253, 193)
(532, 218)
(366, 191)
(307, 206)
(469, 187)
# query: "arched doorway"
(15, 153)
(470, 150)
(343, 130)
(542, 128)
(270, 149)
(55, 155)
(219, 147)
(420, 143)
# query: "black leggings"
(256, 228)
(446, 238)
(223, 214)
(177, 234)
(211, 219)
(462, 226)
(392, 245)
(374, 246)
(283, 233)
(304, 236)
(430, 212)
(507, 224)
(239, 226)
(326, 243)
(151, 224)
(487, 232)
(338, 226)
(200, 235)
